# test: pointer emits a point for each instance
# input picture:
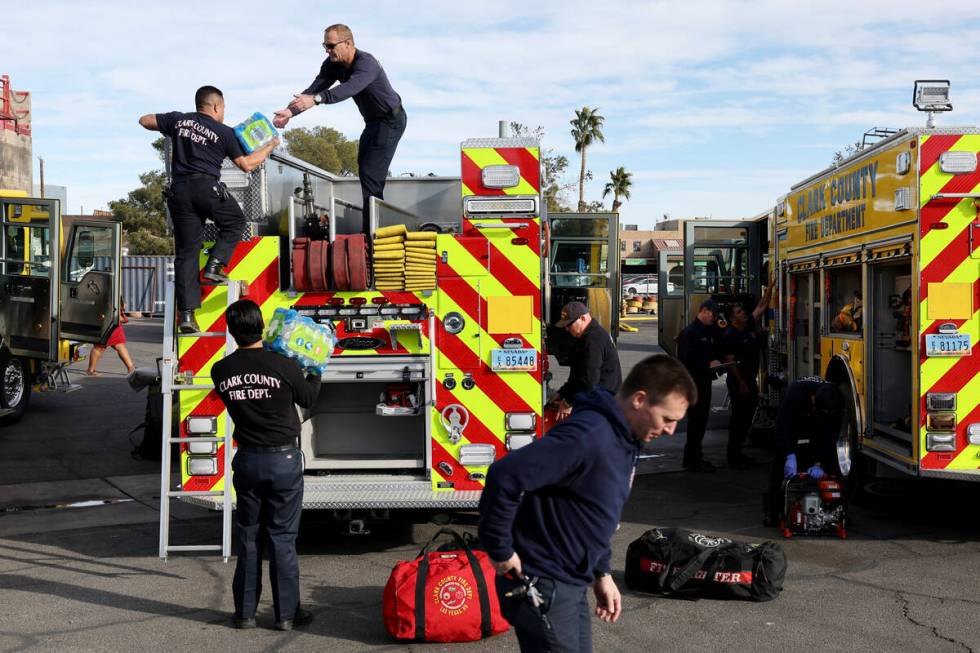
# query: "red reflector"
(357, 301)
(518, 241)
(379, 300)
(939, 225)
(336, 301)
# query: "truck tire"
(15, 387)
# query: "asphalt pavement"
(79, 533)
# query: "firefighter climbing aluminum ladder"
(171, 387)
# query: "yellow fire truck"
(878, 266)
(470, 351)
(877, 263)
(59, 286)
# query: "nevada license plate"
(513, 360)
(948, 344)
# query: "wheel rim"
(13, 383)
(844, 447)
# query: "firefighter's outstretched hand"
(511, 565)
(281, 117)
(608, 601)
(301, 102)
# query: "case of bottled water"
(254, 132)
(300, 338)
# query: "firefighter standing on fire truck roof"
(549, 509)
(201, 141)
(362, 78)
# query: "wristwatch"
(317, 99)
(601, 574)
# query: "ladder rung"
(196, 493)
(199, 438)
(203, 334)
(193, 547)
(193, 386)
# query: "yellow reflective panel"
(511, 314)
(949, 301)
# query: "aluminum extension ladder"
(171, 386)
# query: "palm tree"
(619, 185)
(586, 129)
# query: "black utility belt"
(195, 175)
(257, 449)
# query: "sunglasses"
(330, 46)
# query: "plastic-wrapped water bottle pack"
(300, 338)
(255, 132)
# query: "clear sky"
(716, 106)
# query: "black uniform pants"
(375, 151)
(740, 418)
(191, 202)
(566, 608)
(697, 422)
(269, 487)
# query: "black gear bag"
(682, 563)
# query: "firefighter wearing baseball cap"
(697, 349)
(594, 359)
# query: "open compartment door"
(670, 299)
(90, 281)
(722, 261)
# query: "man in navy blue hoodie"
(549, 510)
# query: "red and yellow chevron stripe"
(946, 256)
(475, 159)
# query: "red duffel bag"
(443, 595)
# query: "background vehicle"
(640, 286)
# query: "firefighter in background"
(807, 427)
(201, 141)
(742, 345)
(594, 359)
(361, 77)
(697, 349)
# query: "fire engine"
(877, 264)
(426, 387)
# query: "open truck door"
(723, 260)
(670, 299)
(583, 265)
(58, 282)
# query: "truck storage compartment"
(345, 430)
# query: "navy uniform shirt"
(746, 346)
(697, 346)
(200, 142)
(365, 81)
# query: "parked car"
(640, 286)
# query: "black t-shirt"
(259, 389)
(201, 143)
(746, 346)
(594, 363)
(697, 346)
(802, 430)
(365, 81)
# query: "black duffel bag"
(683, 563)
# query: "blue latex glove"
(789, 467)
(816, 472)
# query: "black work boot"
(186, 322)
(212, 271)
(300, 619)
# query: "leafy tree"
(849, 149)
(324, 147)
(586, 130)
(143, 213)
(553, 186)
(619, 185)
